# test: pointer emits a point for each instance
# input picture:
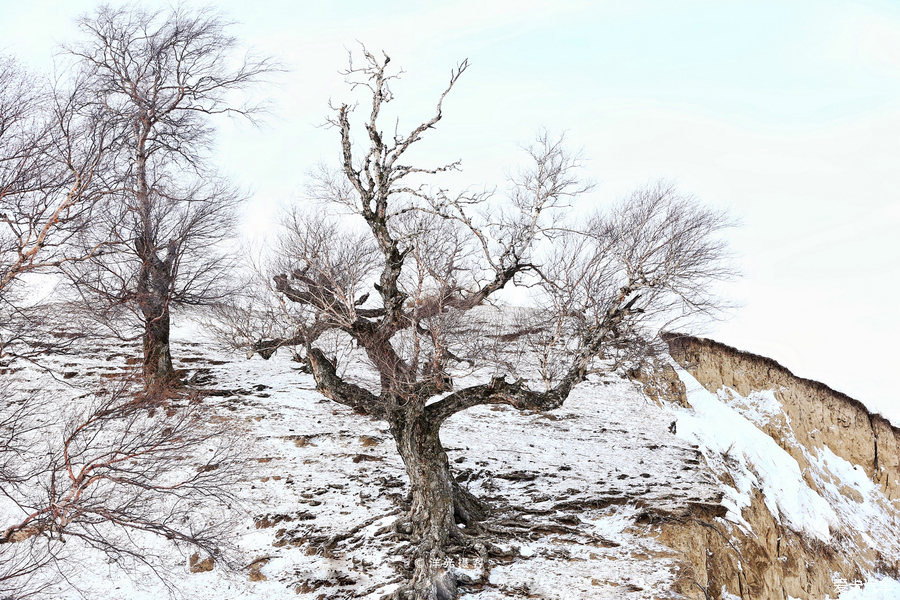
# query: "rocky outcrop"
(770, 560)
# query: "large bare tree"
(110, 471)
(158, 77)
(401, 275)
(89, 184)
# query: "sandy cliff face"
(833, 438)
(818, 415)
(768, 562)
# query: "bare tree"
(408, 279)
(108, 477)
(24, 137)
(51, 151)
(158, 78)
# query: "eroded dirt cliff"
(770, 555)
(818, 414)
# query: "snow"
(884, 589)
(580, 476)
(584, 473)
(755, 460)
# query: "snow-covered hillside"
(600, 499)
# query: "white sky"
(787, 112)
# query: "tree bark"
(438, 502)
(154, 280)
(157, 367)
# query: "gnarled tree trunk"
(438, 503)
(157, 365)
(154, 283)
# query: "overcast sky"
(786, 112)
